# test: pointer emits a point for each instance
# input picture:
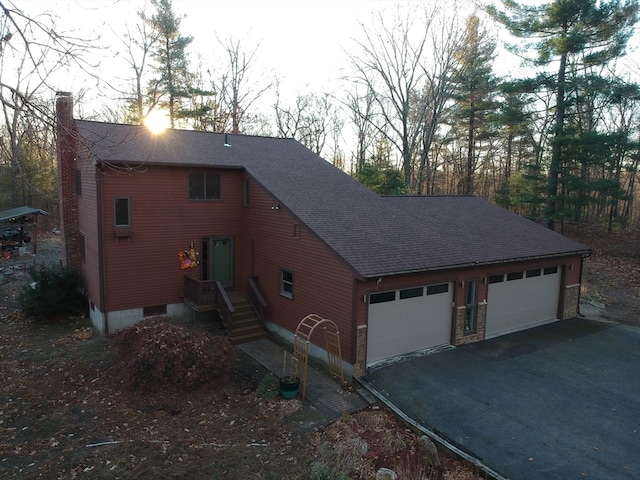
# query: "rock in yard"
(428, 450)
(386, 474)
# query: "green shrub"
(55, 291)
(268, 387)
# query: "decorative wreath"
(188, 259)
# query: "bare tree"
(389, 65)
(337, 154)
(361, 112)
(309, 120)
(32, 50)
(139, 45)
(237, 91)
(439, 65)
(407, 62)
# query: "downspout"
(580, 281)
(102, 274)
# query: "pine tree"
(173, 81)
(568, 34)
(475, 90)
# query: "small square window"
(204, 186)
(550, 270)
(286, 283)
(496, 278)
(533, 273)
(121, 212)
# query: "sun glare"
(157, 121)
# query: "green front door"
(217, 258)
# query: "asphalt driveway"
(561, 401)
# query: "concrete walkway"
(322, 392)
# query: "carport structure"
(22, 217)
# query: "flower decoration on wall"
(188, 259)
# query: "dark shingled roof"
(375, 235)
(20, 213)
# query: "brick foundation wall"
(360, 367)
(481, 322)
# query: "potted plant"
(289, 387)
(289, 384)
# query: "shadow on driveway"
(560, 401)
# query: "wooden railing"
(205, 295)
(225, 307)
(256, 299)
(199, 293)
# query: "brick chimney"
(66, 140)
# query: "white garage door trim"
(522, 300)
(408, 320)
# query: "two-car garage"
(412, 319)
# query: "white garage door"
(408, 320)
(520, 300)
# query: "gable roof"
(374, 235)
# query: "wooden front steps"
(245, 325)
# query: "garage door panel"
(407, 325)
(518, 304)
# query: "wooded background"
(421, 108)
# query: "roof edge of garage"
(583, 253)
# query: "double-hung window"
(204, 186)
(286, 283)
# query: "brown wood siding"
(143, 269)
(322, 284)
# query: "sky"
(302, 42)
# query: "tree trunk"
(556, 152)
(468, 181)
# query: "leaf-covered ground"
(611, 276)
(62, 415)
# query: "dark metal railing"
(256, 299)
